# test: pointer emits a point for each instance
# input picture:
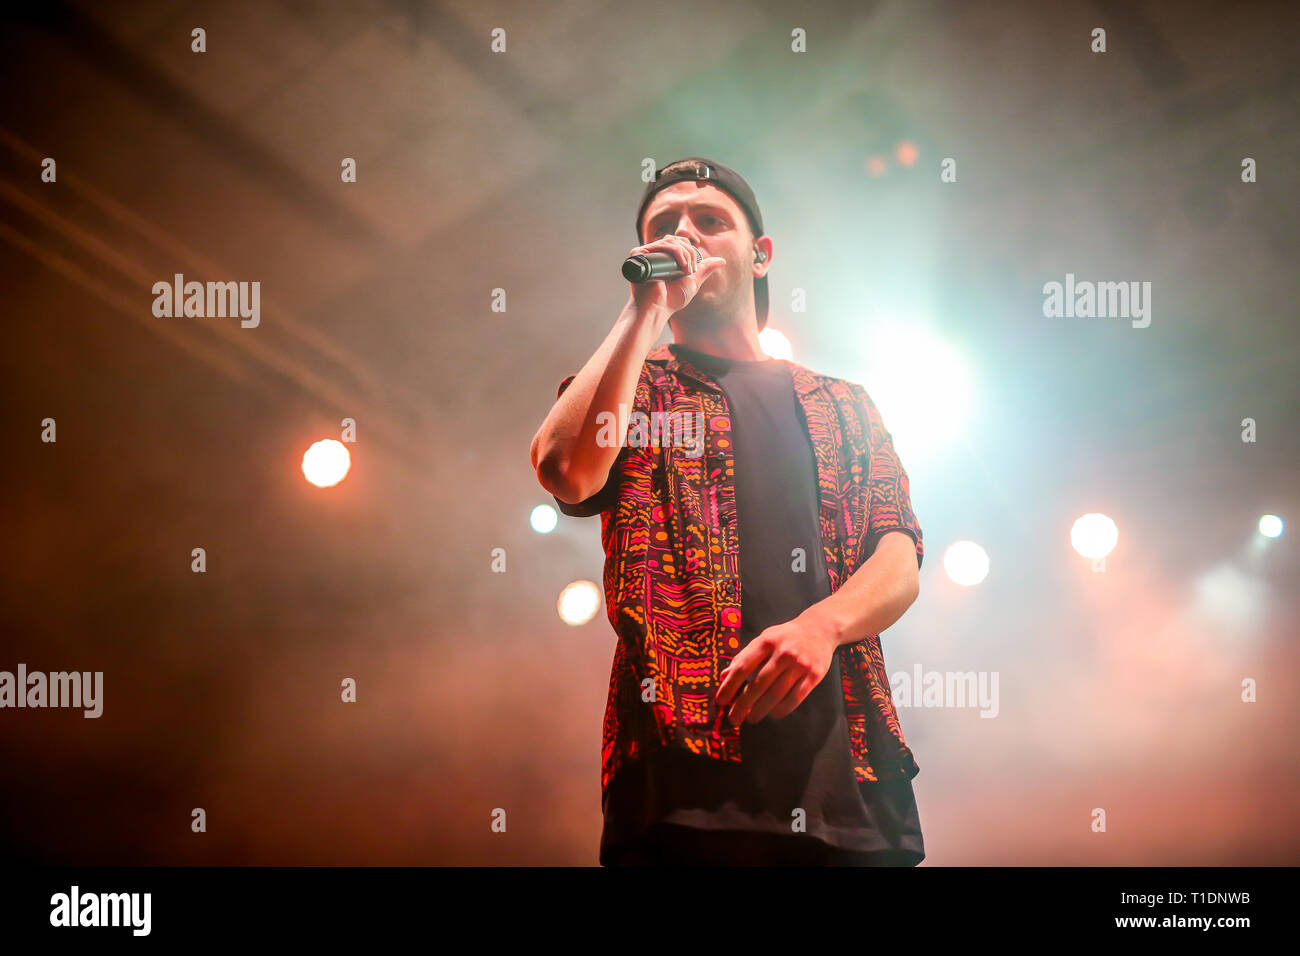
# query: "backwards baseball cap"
(730, 182)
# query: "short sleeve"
(889, 493)
(602, 500)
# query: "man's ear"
(762, 255)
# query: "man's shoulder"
(824, 379)
(842, 389)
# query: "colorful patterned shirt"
(671, 578)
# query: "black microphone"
(655, 265)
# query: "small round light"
(578, 603)
(326, 463)
(966, 563)
(543, 519)
(1094, 535)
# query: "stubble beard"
(712, 311)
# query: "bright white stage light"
(1094, 535)
(1270, 526)
(578, 603)
(543, 519)
(966, 563)
(922, 386)
(326, 463)
(774, 344)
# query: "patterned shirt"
(671, 577)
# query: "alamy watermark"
(678, 429)
(75, 908)
(58, 689)
(208, 300)
(1101, 300)
(922, 688)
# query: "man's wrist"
(648, 317)
(825, 617)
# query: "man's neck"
(727, 341)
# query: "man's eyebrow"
(695, 205)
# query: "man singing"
(750, 564)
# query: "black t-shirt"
(801, 760)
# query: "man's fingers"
(773, 696)
(754, 691)
(732, 677)
(705, 270)
(735, 673)
(794, 698)
(688, 256)
(685, 253)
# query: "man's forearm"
(876, 594)
(569, 461)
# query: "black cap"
(726, 179)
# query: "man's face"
(710, 218)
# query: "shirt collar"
(805, 380)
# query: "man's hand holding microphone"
(570, 462)
(667, 285)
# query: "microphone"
(655, 265)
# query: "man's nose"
(686, 231)
(683, 226)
